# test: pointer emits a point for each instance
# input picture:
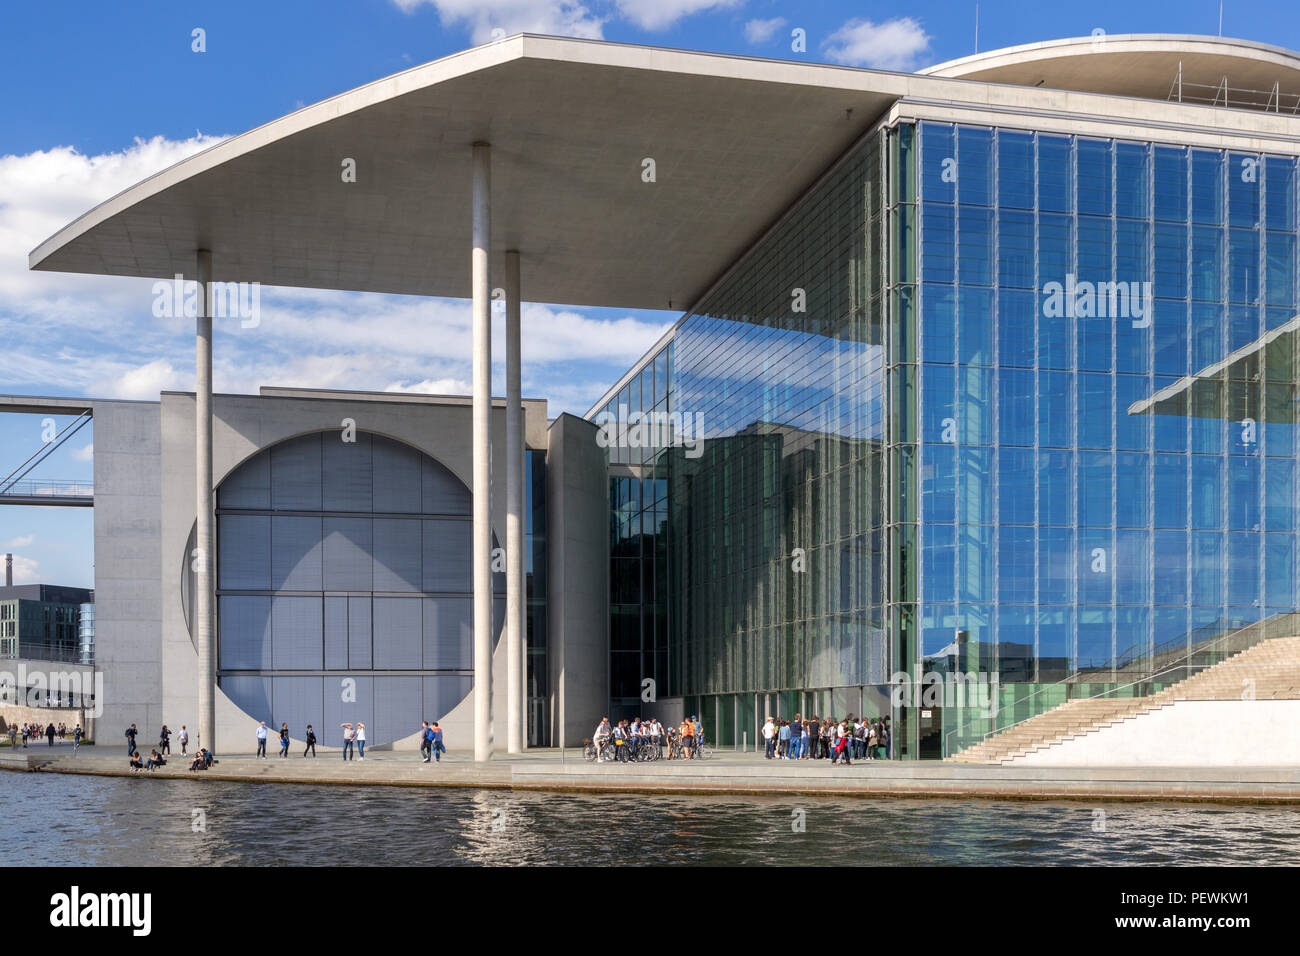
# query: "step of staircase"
(1268, 671)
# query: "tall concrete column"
(204, 598)
(516, 626)
(482, 448)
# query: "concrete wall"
(577, 563)
(128, 563)
(1189, 733)
(243, 426)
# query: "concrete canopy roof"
(570, 123)
(1141, 65)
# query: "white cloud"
(481, 17)
(432, 386)
(21, 542)
(85, 453)
(96, 335)
(26, 570)
(662, 14)
(760, 31)
(896, 44)
(41, 192)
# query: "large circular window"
(344, 589)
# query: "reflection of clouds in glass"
(777, 376)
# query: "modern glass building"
(991, 405)
(983, 398)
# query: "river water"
(56, 819)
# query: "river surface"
(57, 819)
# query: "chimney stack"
(9, 570)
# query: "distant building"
(42, 621)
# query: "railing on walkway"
(47, 491)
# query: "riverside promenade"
(725, 773)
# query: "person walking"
(438, 748)
(77, 734)
(361, 741)
(13, 737)
(184, 738)
(311, 742)
(284, 739)
(49, 733)
(349, 735)
(426, 742)
(130, 738)
(261, 740)
(164, 741)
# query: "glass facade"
(1095, 438)
(343, 589)
(1004, 408)
(747, 528)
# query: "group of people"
(354, 740)
(622, 740)
(33, 732)
(818, 738)
(164, 740)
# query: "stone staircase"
(1273, 666)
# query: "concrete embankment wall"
(1188, 733)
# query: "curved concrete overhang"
(1139, 65)
(570, 122)
(735, 142)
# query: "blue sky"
(99, 95)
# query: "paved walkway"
(725, 773)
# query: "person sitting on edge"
(198, 763)
(155, 760)
(135, 762)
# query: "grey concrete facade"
(145, 515)
(577, 558)
(129, 566)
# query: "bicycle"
(589, 751)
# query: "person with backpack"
(311, 742)
(438, 748)
(284, 739)
(164, 741)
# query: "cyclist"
(687, 734)
(699, 733)
(601, 737)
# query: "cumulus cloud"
(481, 17)
(561, 17)
(22, 541)
(26, 570)
(761, 31)
(897, 44)
(97, 335)
(662, 14)
(85, 453)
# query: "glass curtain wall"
(1094, 376)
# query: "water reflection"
(67, 820)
